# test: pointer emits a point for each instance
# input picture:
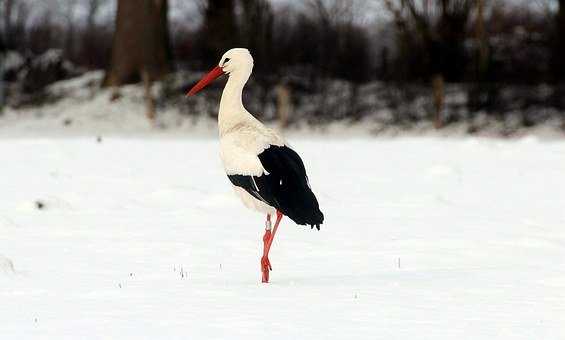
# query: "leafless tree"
(561, 39)
(141, 42)
(93, 7)
(95, 39)
(256, 29)
(342, 47)
(559, 58)
(219, 29)
(8, 8)
(481, 37)
(141, 45)
(440, 28)
(14, 16)
(68, 9)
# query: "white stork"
(267, 175)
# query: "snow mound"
(82, 107)
(13, 61)
(6, 265)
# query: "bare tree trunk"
(17, 15)
(69, 44)
(8, 9)
(561, 41)
(481, 38)
(283, 104)
(93, 8)
(560, 60)
(141, 42)
(480, 86)
(2, 96)
(257, 31)
(89, 41)
(219, 30)
(149, 100)
(438, 89)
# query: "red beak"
(207, 79)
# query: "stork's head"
(235, 62)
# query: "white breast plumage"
(240, 145)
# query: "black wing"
(285, 187)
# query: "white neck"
(232, 111)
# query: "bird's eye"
(225, 61)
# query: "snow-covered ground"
(143, 238)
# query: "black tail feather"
(284, 187)
(292, 191)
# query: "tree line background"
(411, 46)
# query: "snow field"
(143, 238)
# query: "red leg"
(267, 242)
(265, 264)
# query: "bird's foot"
(265, 268)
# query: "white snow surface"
(144, 239)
